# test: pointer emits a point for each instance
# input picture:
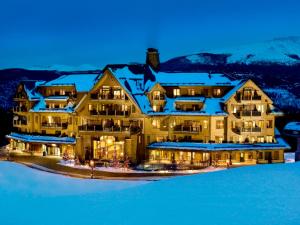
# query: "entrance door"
(268, 157)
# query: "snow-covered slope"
(281, 50)
(264, 194)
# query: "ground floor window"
(108, 148)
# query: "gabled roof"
(233, 91)
(239, 86)
(82, 82)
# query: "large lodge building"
(137, 112)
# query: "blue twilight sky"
(43, 32)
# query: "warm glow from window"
(176, 92)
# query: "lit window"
(219, 139)
(62, 92)
(205, 124)
(217, 92)
(269, 139)
(156, 95)
(176, 92)
(220, 124)
(191, 92)
(154, 107)
(260, 139)
(124, 107)
(156, 123)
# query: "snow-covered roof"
(30, 89)
(197, 146)
(41, 139)
(41, 107)
(190, 79)
(82, 82)
(194, 146)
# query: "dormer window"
(191, 92)
(156, 95)
(217, 92)
(62, 92)
(176, 92)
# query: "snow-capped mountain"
(284, 51)
(65, 68)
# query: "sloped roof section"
(82, 82)
(41, 139)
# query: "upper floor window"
(269, 139)
(156, 123)
(62, 92)
(217, 92)
(205, 124)
(260, 139)
(191, 92)
(156, 95)
(176, 92)
(269, 124)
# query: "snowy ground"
(71, 163)
(264, 194)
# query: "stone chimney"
(152, 58)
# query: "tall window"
(269, 124)
(176, 92)
(205, 124)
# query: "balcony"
(158, 97)
(240, 98)
(186, 129)
(63, 125)
(109, 96)
(241, 130)
(19, 122)
(246, 113)
(20, 109)
(113, 129)
(109, 113)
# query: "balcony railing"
(248, 98)
(109, 96)
(109, 113)
(158, 97)
(100, 128)
(19, 122)
(20, 109)
(55, 125)
(247, 130)
(247, 113)
(186, 129)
